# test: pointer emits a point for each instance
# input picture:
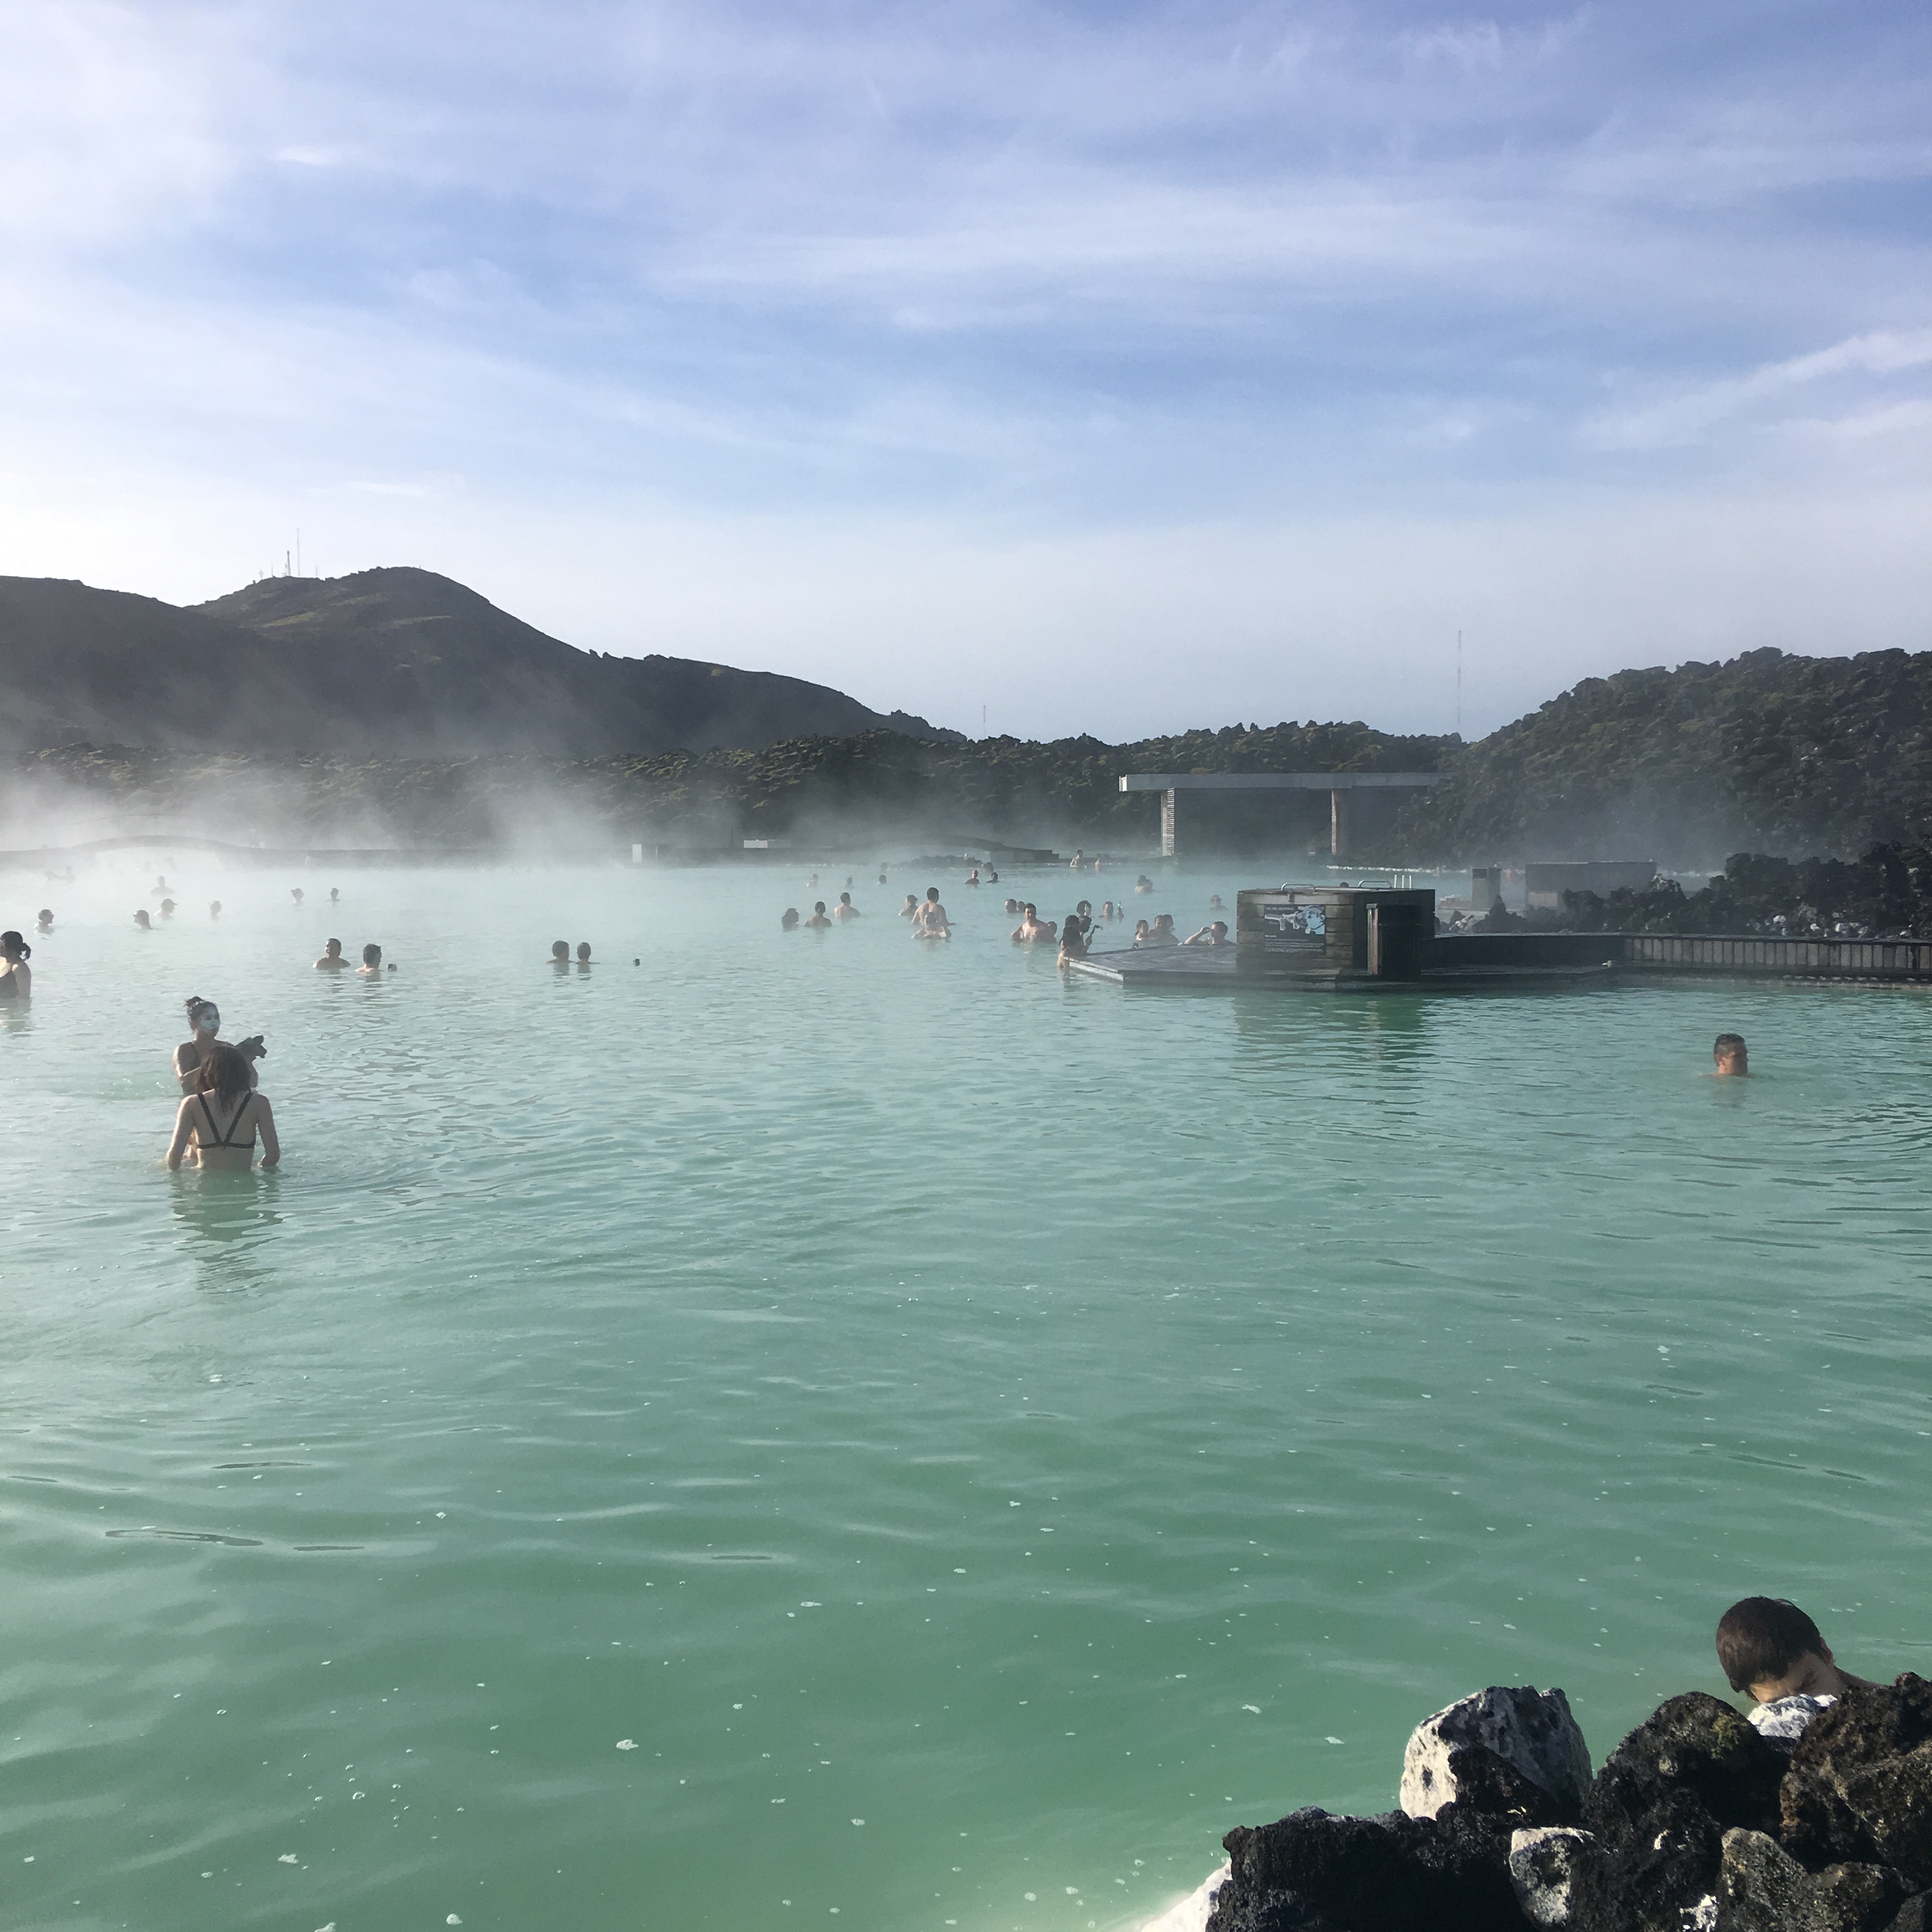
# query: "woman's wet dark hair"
(13, 942)
(224, 1073)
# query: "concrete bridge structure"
(1339, 785)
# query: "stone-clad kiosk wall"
(1332, 932)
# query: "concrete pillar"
(1338, 824)
(1167, 823)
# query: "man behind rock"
(1770, 1650)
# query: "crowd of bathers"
(1073, 934)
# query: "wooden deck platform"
(1195, 969)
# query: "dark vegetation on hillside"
(880, 786)
(1781, 754)
(403, 705)
(382, 664)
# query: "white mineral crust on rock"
(1542, 1863)
(1783, 1721)
(1532, 1731)
(1191, 1913)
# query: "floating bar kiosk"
(1336, 934)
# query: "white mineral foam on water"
(764, 1248)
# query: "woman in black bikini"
(16, 977)
(204, 1022)
(218, 1122)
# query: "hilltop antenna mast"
(298, 553)
(1459, 684)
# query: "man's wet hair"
(1760, 1638)
(1726, 1043)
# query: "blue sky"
(1118, 369)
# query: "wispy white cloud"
(1010, 271)
(1680, 417)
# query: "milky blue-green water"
(813, 1430)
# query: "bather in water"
(218, 1122)
(16, 977)
(929, 920)
(204, 1026)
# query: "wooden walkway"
(1479, 961)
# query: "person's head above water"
(372, 955)
(45, 919)
(844, 899)
(331, 949)
(560, 950)
(1728, 1053)
(790, 918)
(932, 895)
(141, 918)
(583, 952)
(818, 905)
(224, 1073)
(14, 946)
(1769, 1648)
(203, 1015)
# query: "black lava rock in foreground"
(1696, 1823)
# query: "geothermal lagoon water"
(815, 1430)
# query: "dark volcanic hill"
(1765, 752)
(385, 663)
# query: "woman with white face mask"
(204, 1020)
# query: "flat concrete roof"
(1274, 780)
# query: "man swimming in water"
(972, 876)
(331, 960)
(559, 954)
(818, 918)
(929, 920)
(295, 893)
(372, 963)
(1163, 932)
(45, 919)
(1033, 930)
(1214, 935)
(1729, 1059)
(844, 909)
